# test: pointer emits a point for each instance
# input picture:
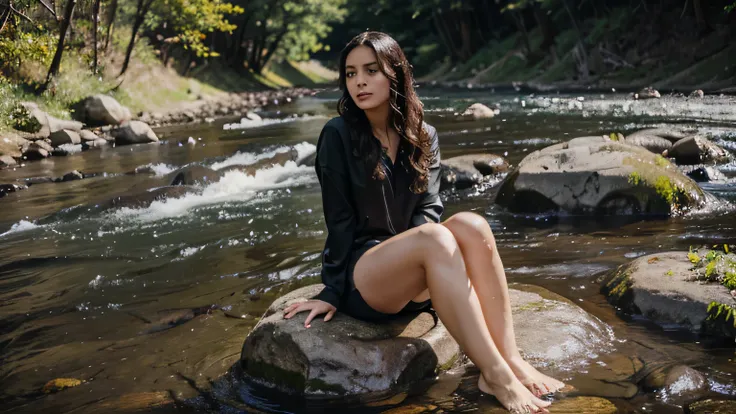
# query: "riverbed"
(157, 301)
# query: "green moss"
(661, 161)
(619, 285)
(721, 312)
(669, 191)
(635, 178)
(533, 306)
(669, 273)
(450, 362)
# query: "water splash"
(235, 186)
(21, 226)
(248, 123)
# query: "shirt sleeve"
(332, 172)
(430, 207)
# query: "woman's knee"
(437, 240)
(467, 224)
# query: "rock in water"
(551, 331)
(647, 93)
(347, 357)
(663, 287)
(7, 161)
(594, 175)
(134, 132)
(697, 149)
(65, 136)
(193, 175)
(344, 356)
(653, 143)
(99, 110)
(479, 111)
(679, 382)
(671, 134)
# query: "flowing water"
(157, 301)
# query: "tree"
(63, 27)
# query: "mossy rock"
(59, 384)
(599, 176)
(665, 287)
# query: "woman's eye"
(350, 74)
(371, 71)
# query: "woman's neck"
(378, 117)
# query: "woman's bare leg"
(485, 270)
(400, 269)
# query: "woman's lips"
(364, 95)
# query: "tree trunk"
(95, 21)
(519, 21)
(583, 53)
(444, 36)
(271, 49)
(703, 25)
(110, 22)
(140, 15)
(56, 62)
(548, 31)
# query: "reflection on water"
(146, 305)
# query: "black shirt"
(359, 208)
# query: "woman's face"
(367, 85)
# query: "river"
(158, 300)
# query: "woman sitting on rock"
(386, 252)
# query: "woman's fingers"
(294, 309)
(329, 315)
(315, 311)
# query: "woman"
(386, 252)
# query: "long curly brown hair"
(406, 115)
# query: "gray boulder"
(133, 132)
(29, 118)
(348, 357)
(36, 150)
(594, 175)
(193, 175)
(647, 93)
(679, 383)
(665, 288)
(671, 134)
(87, 135)
(696, 150)
(99, 110)
(344, 356)
(11, 144)
(478, 111)
(65, 136)
(653, 143)
(7, 161)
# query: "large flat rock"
(348, 357)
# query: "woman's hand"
(316, 307)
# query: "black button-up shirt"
(359, 208)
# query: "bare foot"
(535, 381)
(514, 396)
